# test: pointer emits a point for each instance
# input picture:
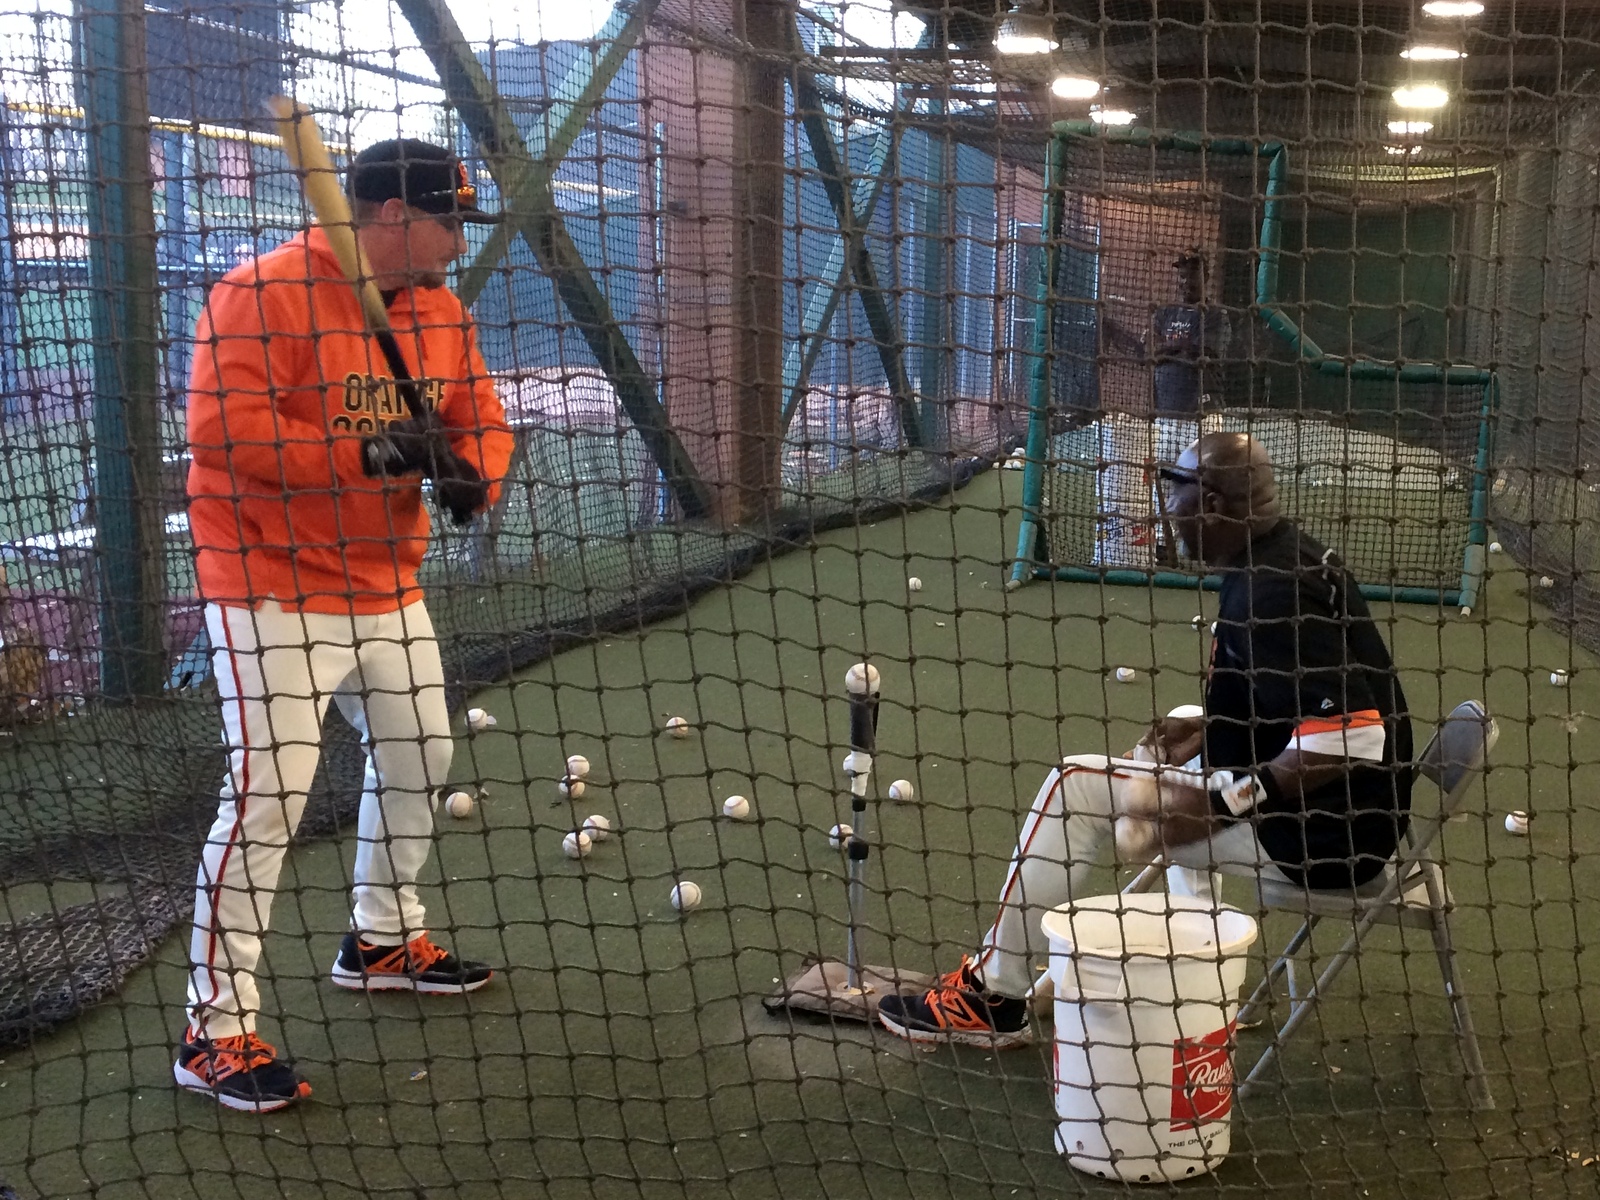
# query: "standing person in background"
(307, 514)
(1184, 345)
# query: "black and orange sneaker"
(417, 966)
(243, 1073)
(957, 1009)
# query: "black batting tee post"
(862, 683)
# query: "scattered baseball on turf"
(1517, 823)
(597, 827)
(1197, 620)
(1558, 678)
(1213, 629)
(1494, 547)
(736, 807)
(576, 844)
(686, 896)
(1546, 582)
(578, 767)
(914, 584)
(677, 727)
(478, 720)
(902, 792)
(571, 788)
(1126, 674)
(839, 835)
(459, 805)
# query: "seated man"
(1304, 751)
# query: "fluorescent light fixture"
(1402, 149)
(1431, 53)
(1026, 30)
(1421, 95)
(1453, 8)
(1411, 127)
(1074, 87)
(1111, 116)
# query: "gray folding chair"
(1410, 892)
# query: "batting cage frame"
(1036, 558)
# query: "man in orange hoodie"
(306, 505)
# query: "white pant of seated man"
(276, 672)
(1070, 827)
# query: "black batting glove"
(460, 490)
(415, 446)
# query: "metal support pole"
(759, 178)
(124, 314)
(531, 211)
(573, 101)
(833, 168)
(933, 323)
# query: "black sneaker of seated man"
(958, 1009)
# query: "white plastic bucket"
(1147, 989)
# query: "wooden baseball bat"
(308, 154)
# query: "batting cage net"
(1191, 288)
(547, 705)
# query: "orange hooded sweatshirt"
(285, 384)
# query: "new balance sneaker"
(243, 1073)
(957, 1009)
(417, 966)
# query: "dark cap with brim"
(426, 177)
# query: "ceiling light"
(1111, 116)
(1431, 53)
(1074, 87)
(1453, 8)
(1421, 95)
(1026, 30)
(1412, 127)
(1402, 149)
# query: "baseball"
(578, 767)
(1494, 548)
(677, 727)
(914, 584)
(862, 679)
(1558, 678)
(576, 844)
(686, 896)
(1546, 582)
(1213, 629)
(459, 805)
(736, 807)
(478, 720)
(902, 792)
(1126, 674)
(1517, 823)
(597, 827)
(1197, 620)
(571, 789)
(839, 835)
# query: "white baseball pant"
(276, 671)
(1131, 448)
(1063, 838)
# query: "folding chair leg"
(1146, 879)
(1302, 1009)
(1264, 989)
(1478, 1093)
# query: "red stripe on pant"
(1022, 850)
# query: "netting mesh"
(780, 283)
(1304, 299)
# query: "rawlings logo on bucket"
(1202, 1079)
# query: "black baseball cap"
(425, 176)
